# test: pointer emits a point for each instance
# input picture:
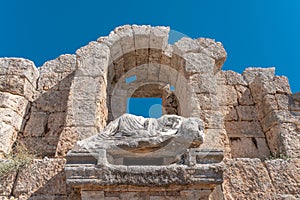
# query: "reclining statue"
(136, 136)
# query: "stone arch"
(189, 65)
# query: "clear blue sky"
(254, 33)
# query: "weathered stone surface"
(244, 95)
(213, 49)
(249, 147)
(76, 94)
(260, 87)
(17, 85)
(92, 60)
(234, 78)
(244, 129)
(203, 83)
(284, 139)
(14, 102)
(285, 175)
(282, 85)
(198, 63)
(36, 124)
(186, 45)
(36, 175)
(267, 105)
(141, 36)
(227, 96)
(6, 182)
(53, 73)
(12, 118)
(8, 135)
(159, 37)
(229, 113)
(54, 101)
(70, 135)
(212, 119)
(126, 38)
(216, 139)
(246, 178)
(250, 73)
(246, 113)
(19, 67)
(208, 101)
(276, 117)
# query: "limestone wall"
(251, 116)
(246, 178)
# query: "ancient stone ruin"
(223, 135)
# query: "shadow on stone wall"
(46, 119)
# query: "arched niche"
(99, 89)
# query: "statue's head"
(193, 129)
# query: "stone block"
(155, 56)
(212, 119)
(92, 60)
(194, 194)
(167, 55)
(20, 67)
(234, 78)
(285, 175)
(227, 95)
(159, 37)
(36, 124)
(215, 139)
(153, 72)
(11, 118)
(276, 117)
(243, 129)
(244, 95)
(141, 36)
(87, 87)
(51, 101)
(282, 101)
(14, 102)
(55, 124)
(208, 101)
(4, 64)
(246, 113)
(198, 63)
(92, 195)
(70, 135)
(267, 105)
(82, 112)
(17, 85)
(126, 38)
(55, 71)
(142, 56)
(250, 147)
(290, 136)
(6, 182)
(55, 188)
(164, 74)
(36, 175)
(129, 61)
(251, 73)
(282, 85)
(260, 87)
(186, 45)
(213, 49)
(202, 83)
(229, 113)
(113, 42)
(246, 178)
